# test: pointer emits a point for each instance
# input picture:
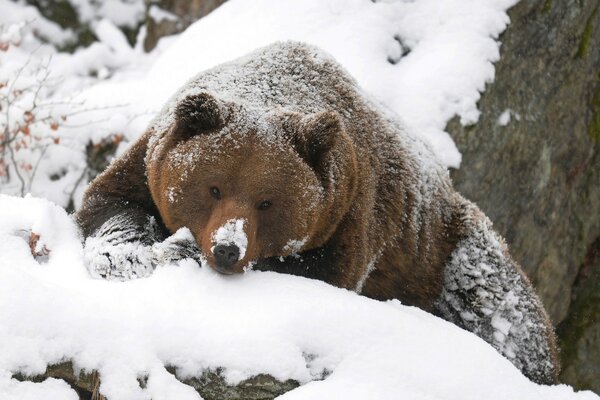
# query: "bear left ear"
(318, 135)
(198, 113)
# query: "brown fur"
(337, 171)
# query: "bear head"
(251, 184)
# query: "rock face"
(580, 331)
(532, 162)
(167, 17)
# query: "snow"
(426, 61)
(159, 15)
(111, 245)
(231, 233)
(126, 13)
(41, 111)
(452, 47)
(504, 118)
(19, 14)
(11, 389)
(483, 293)
(193, 318)
(370, 268)
(295, 245)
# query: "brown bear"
(279, 161)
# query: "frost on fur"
(179, 246)
(120, 250)
(486, 293)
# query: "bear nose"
(226, 256)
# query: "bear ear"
(198, 113)
(317, 136)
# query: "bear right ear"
(319, 134)
(198, 113)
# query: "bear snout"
(227, 245)
(226, 256)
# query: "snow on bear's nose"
(229, 244)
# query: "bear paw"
(122, 261)
(179, 246)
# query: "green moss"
(584, 44)
(594, 128)
(547, 6)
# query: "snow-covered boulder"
(192, 319)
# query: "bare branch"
(37, 164)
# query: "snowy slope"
(427, 60)
(193, 318)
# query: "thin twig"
(14, 162)
(37, 164)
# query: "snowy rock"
(167, 17)
(191, 321)
(537, 178)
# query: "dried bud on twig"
(28, 117)
(38, 254)
(118, 138)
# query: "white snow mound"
(427, 60)
(193, 318)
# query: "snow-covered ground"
(427, 60)
(194, 318)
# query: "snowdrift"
(191, 318)
(426, 60)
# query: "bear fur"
(281, 157)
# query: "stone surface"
(538, 177)
(211, 385)
(187, 12)
(580, 331)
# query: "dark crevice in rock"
(579, 334)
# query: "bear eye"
(264, 205)
(215, 192)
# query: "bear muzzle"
(227, 244)
(226, 256)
